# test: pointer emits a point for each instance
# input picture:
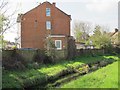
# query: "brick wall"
(33, 25)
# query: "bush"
(48, 60)
(32, 65)
(13, 62)
(38, 58)
(42, 59)
(103, 63)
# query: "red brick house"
(45, 20)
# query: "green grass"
(18, 79)
(106, 77)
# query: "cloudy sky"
(102, 12)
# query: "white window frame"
(60, 44)
(56, 36)
(48, 11)
(48, 25)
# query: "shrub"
(103, 63)
(38, 58)
(94, 67)
(42, 58)
(34, 65)
(13, 62)
(47, 60)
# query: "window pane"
(58, 44)
(48, 25)
(47, 11)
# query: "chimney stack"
(116, 30)
(54, 3)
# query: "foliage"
(33, 65)
(100, 38)
(39, 58)
(39, 75)
(3, 42)
(50, 48)
(14, 62)
(42, 58)
(3, 27)
(2, 19)
(81, 31)
(48, 60)
(6, 21)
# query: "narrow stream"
(73, 75)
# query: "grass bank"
(106, 77)
(29, 77)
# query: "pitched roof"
(50, 4)
(113, 33)
(64, 13)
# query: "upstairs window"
(48, 25)
(47, 11)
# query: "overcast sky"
(103, 12)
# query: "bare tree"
(81, 30)
(6, 20)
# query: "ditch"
(72, 73)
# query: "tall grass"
(19, 79)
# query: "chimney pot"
(54, 3)
(116, 30)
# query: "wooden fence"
(29, 55)
(80, 52)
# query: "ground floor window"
(58, 44)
